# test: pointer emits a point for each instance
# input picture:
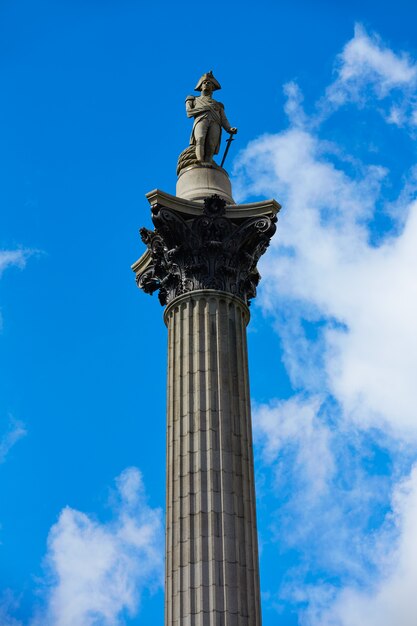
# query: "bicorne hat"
(209, 76)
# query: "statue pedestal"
(197, 182)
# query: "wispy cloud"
(98, 571)
(14, 258)
(327, 500)
(8, 605)
(363, 296)
(14, 431)
(389, 599)
(369, 71)
(341, 449)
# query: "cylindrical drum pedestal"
(197, 182)
(212, 572)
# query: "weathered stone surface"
(211, 539)
(208, 251)
(202, 259)
(189, 208)
(209, 119)
(200, 181)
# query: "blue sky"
(92, 117)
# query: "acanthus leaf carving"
(208, 251)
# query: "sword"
(229, 141)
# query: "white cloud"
(370, 60)
(16, 258)
(8, 604)
(326, 498)
(15, 431)
(99, 570)
(293, 105)
(322, 265)
(345, 305)
(296, 422)
(367, 70)
(392, 598)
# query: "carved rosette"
(208, 251)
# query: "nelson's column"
(202, 258)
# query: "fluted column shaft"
(212, 572)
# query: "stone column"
(202, 262)
(211, 540)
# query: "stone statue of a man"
(209, 119)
